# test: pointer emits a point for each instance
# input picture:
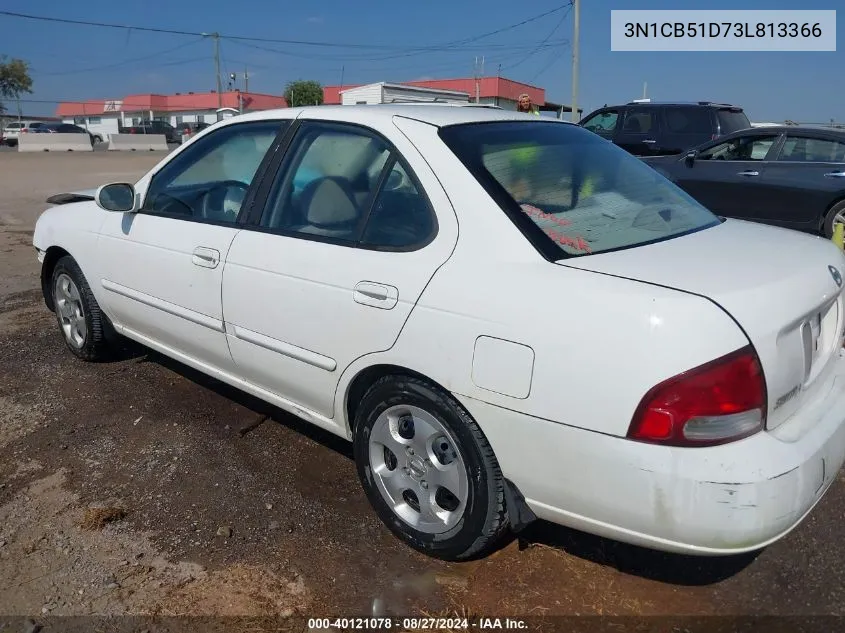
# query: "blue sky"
(79, 62)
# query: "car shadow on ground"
(134, 351)
(675, 569)
(662, 567)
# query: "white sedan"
(509, 317)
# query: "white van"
(15, 128)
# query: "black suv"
(647, 128)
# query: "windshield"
(570, 191)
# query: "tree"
(14, 79)
(304, 92)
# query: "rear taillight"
(722, 401)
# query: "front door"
(728, 177)
(347, 242)
(162, 267)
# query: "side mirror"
(690, 158)
(117, 196)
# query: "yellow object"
(587, 188)
(839, 235)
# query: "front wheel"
(83, 325)
(835, 216)
(428, 470)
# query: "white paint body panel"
(567, 351)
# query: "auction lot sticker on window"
(683, 30)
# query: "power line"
(120, 64)
(348, 59)
(542, 42)
(244, 38)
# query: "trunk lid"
(780, 286)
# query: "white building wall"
(364, 94)
(398, 95)
(101, 125)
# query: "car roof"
(439, 115)
(697, 104)
(792, 129)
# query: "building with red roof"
(104, 116)
(498, 91)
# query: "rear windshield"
(732, 121)
(571, 192)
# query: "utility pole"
(645, 90)
(478, 71)
(475, 76)
(576, 27)
(216, 37)
(246, 81)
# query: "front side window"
(741, 148)
(209, 180)
(602, 123)
(571, 192)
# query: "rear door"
(727, 177)
(806, 178)
(353, 228)
(640, 131)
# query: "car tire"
(830, 218)
(450, 448)
(83, 326)
(98, 139)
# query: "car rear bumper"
(720, 500)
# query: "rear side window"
(812, 150)
(730, 121)
(688, 121)
(640, 121)
(571, 192)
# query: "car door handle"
(376, 295)
(749, 173)
(835, 174)
(206, 257)
(649, 141)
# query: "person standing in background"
(524, 105)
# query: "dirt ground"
(140, 487)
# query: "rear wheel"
(835, 216)
(83, 325)
(428, 470)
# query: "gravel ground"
(141, 487)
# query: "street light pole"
(576, 10)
